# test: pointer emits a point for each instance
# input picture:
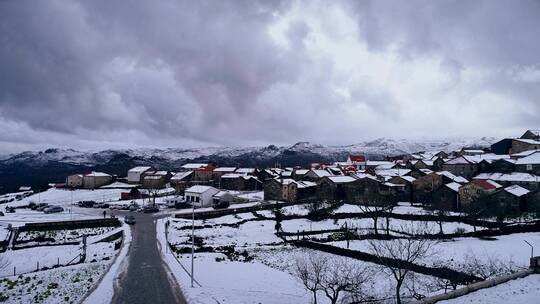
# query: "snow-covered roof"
(181, 175)
(533, 159)
(516, 190)
(321, 173)
(454, 186)
(119, 185)
(305, 184)
(462, 160)
(341, 179)
(140, 169)
(408, 178)
(194, 166)
(509, 177)
(232, 175)
(392, 172)
(524, 153)
(225, 169)
(221, 194)
(528, 141)
(426, 171)
(245, 170)
(97, 174)
(453, 177)
(301, 171)
(199, 189)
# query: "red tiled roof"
(357, 158)
(484, 184)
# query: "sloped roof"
(510, 177)
(516, 190)
(533, 159)
(194, 166)
(454, 186)
(321, 173)
(357, 158)
(200, 189)
(224, 169)
(485, 184)
(181, 175)
(528, 141)
(140, 169)
(341, 179)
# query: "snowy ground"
(60, 285)
(520, 291)
(252, 279)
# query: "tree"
(374, 212)
(408, 250)
(343, 275)
(334, 276)
(309, 270)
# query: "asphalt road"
(147, 279)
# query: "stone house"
(531, 134)
(273, 190)
(424, 186)
(504, 165)
(462, 166)
(529, 164)
(95, 180)
(332, 188)
(135, 175)
(204, 175)
(240, 182)
(156, 180)
(181, 181)
(219, 171)
(508, 201)
(364, 189)
(525, 180)
(475, 190)
(74, 181)
(520, 144)
(446, 197)
(314, 175)
(407, 182)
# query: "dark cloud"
(100, 73)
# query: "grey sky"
(110, 74)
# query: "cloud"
(96, 74)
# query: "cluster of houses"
(504, 177)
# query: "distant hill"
(37, 169)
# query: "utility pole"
(192, 240)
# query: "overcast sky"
(111, 74)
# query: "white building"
(200, 196)
(135, 174)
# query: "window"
(529, 167)
(196, 199)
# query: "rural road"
(147, 279)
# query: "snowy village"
(269, 152)
(425, 227)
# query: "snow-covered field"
(262, 265)
(523, 291)
(59, 285)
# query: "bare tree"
(408, 250)
(335, 277)
(344, 275)
(488, 267)
(309, 270)
(374, 213)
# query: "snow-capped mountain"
(377, 148)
